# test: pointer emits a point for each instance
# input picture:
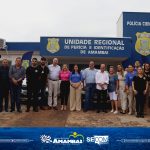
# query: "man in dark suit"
(4, 84)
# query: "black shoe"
(28, 109)
(55, 108)
(141, 115)
(20, 111)
(41, 108)
(0, 110)
(12, 110)
(6, 110)
(35, 110)
(49, 107)
(98, 111)
(137, 115)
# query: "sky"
(27, 20)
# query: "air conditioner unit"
(3, 45)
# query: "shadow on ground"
(53, 118)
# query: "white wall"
(120, 26)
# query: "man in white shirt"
(102, 80)
(53, 83)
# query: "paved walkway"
(52, 118)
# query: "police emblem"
(53, 45)
(142, 44)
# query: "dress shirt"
(54, 72)
(75, 77)
(89, 75)
(129, 78)
(17, 73)
(101, 77)
(64, 75)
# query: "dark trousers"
(89, 93)
(64, 92)
(101, 99)
(32, 94)
(4, 92)
(44, 98)
(15, 96)
(140, 98)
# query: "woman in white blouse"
(122, 96)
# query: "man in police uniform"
(33, 78)
(43, 82)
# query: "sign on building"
(137, 26)
(85, 47)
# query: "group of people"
(130, 86)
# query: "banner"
(75, 138)
(85, 47)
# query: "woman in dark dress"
(140, 87)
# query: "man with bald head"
(53, 84)
(89, 77)
(4, 84)
(102, 80)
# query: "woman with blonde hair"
(112, 89)
(122, 96)
(64, 86)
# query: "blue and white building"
(132, 43)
